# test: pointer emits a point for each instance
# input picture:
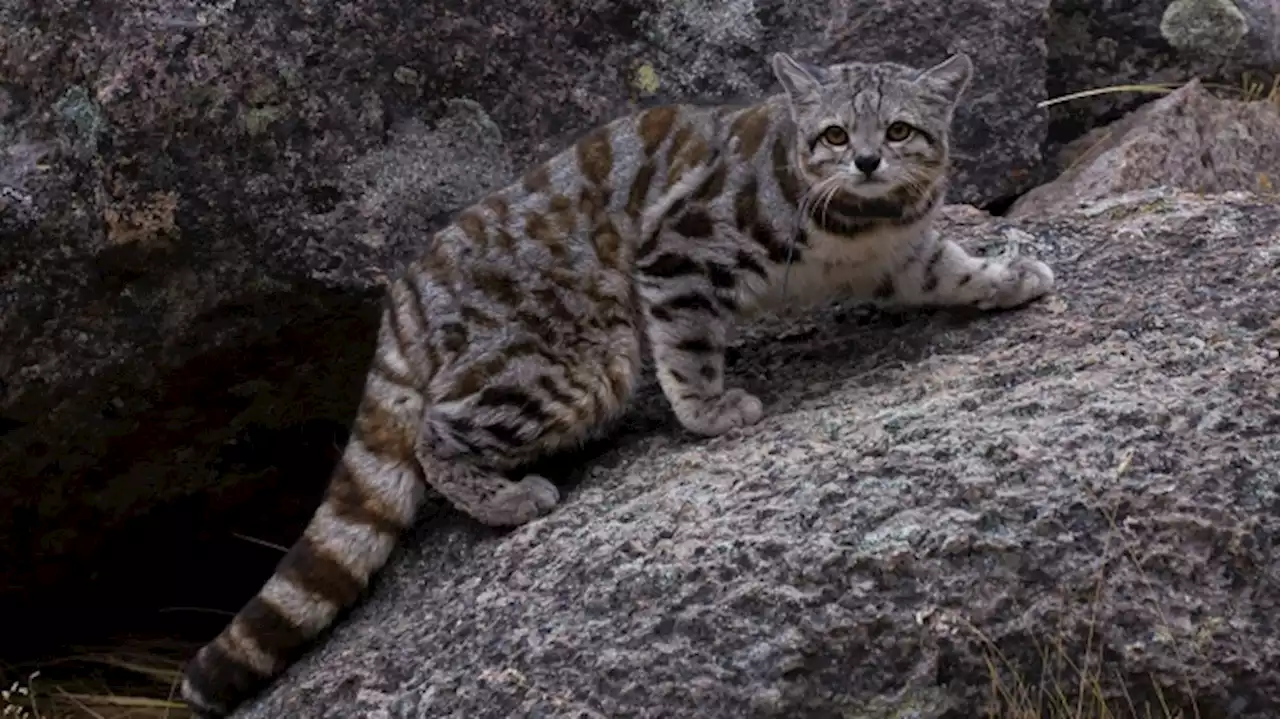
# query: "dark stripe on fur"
(317, 573)
(847, 214)
(746, 262)
(648, 246)
(505, 434)
(783, 173)
(275, 633)
(456, 338)
(747, 218)
(931, 268)
(398, 333)
(694, 223)
(722, 278)
(690, 301)
(670, 264)
(778, 252)
(696, 345)
(713, 185)
(884, 290)
(515, 398)
(460, 430)
(639, 191)
(555, 391)
(221, 680)
(350, 501)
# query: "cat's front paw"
(713, 416)
(1026, 279)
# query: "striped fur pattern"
(519, 330)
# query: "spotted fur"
(519, 329)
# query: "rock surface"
(198, 202)
(1189, 139)
(1096, 470)
(1102, 43)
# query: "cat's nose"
(866, 164)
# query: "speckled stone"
(928, 491)
(1096, 44)
(1188, 139)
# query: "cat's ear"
(800, 80)
(950, 77)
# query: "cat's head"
(879, 129)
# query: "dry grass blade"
(1249, 89)
(1050, 699)
(129, 683)
(260, 542)
(1158, 88)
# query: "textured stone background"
(199, 200)
(1188, 139)
(1108, 457)
(1100, 43)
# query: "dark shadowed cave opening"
(257, 462)
(195, 558)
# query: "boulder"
(1090, 481)
(199, 203)
(1095, 44)
(1189, 139)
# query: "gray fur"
(847, 235)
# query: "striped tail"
(374, 494)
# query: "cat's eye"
(835, 136)
(898, 132)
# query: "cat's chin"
(869, 189)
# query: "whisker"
(818, 195)
(828, 196)
(807, 201)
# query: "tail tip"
(201, 707)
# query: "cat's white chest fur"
(833, 267)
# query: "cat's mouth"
(874, 186)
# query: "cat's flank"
(519, 329)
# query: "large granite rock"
(198, 202)
(930, 496)
(1102, 43)
(1189, 139)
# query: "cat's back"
(577, 211)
